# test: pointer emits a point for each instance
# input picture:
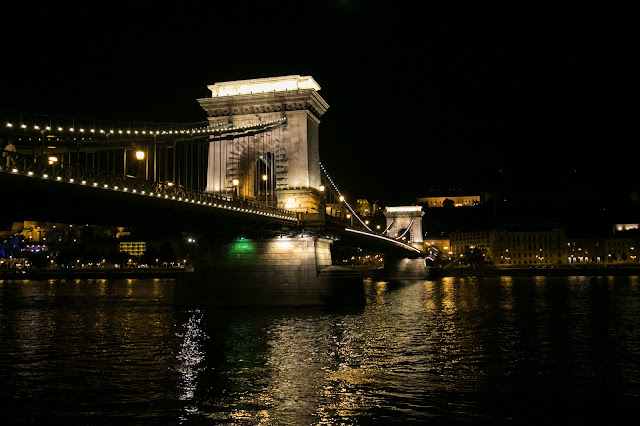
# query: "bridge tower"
(405, 224)
(286, 158)
(405, 221)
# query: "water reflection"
(464, 349)
(376, 291)
(455, 350)
(190, 358)
(69, 348)
(324, 367)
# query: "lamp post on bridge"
(322, 207)
(266, 188)
(235, 182)
(350, 218)
(140, 158)
(348, 215)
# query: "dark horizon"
(418, 101)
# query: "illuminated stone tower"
(406, 221)
(290, 153)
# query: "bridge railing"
(45, 168)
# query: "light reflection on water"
(454, 350)
(190, 358)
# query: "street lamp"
(235, 182)
(140, 158)
(322, 206)
(350, 219)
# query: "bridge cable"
(389, 227)
(406, 230)
(345, 201)
(390, 240)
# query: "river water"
(497, 350)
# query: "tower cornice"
(256, 103)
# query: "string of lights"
(157, 130)
(370, 233)
(406, 246)
(73, 174)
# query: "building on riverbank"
(480, 239)
(520, 247)
(39, 244)
(545, 247)
(450, 201)
(528, 247)
(603, 250)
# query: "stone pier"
(277, 271)
(404, 269)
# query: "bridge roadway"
(69, 196)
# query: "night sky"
(420, 99)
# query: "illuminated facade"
(134, 248)
(526, 248)
(365, 208)
(514, 248)
(621, 227)
(461, 240)
(47, 232)
(603, 250)
(438, 245)
(550, 247)
(287, 159)
(457, 201)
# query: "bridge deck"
(74, 194)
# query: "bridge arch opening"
(264, 185)
(402, 235)
(250, 158)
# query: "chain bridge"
(249, 181)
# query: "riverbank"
(554, 271)
(34, 274)
(489, 271)
(366, 272)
